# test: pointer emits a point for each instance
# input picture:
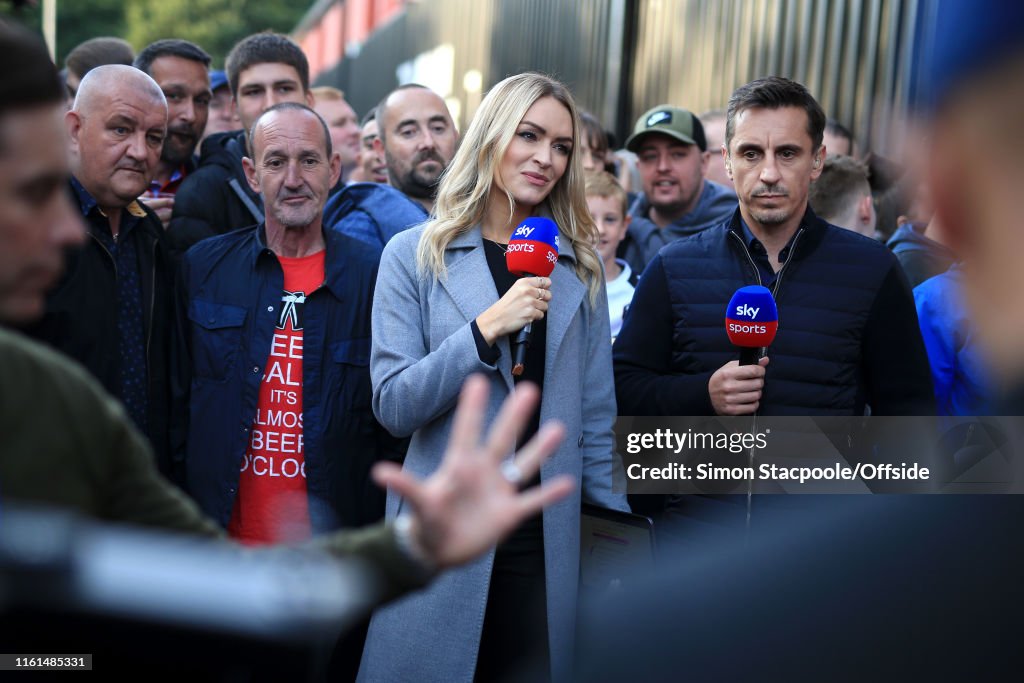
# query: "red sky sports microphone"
(532, 252)
(751, 321)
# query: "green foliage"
(77, 21)
(215, 25)
(26, 16)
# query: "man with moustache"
(848, 337)
(264, 69)
(111, 309)
(417, 136)
(274, 321)
(180, 68)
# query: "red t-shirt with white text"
(272, 503)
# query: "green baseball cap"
(671, 121)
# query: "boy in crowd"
(608, 205)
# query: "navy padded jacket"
(848, 334)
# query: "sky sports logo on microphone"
(752, 318)
(525, 247)
(536, 229)
(746, 312)
(533, 248)
(528, 230)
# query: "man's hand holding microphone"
(751, 322)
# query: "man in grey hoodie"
(677, 200)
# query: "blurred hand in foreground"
(473, 500)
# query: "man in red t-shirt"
(272, 504)
(275, 322)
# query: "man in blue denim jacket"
(275, 435)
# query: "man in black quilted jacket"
(848, 337)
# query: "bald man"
(111, 308)
(417, 138)
(286, 354)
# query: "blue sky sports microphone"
(532, 251)
(751, 321)
(533, 248)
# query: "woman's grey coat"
(423, 350)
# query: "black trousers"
(514, 642)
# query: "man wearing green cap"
(677, 200)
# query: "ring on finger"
(510, 470)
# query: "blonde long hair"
(466, 184)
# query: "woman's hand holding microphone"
(526, 301)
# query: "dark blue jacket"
(227, 304)
(920, 256)
(372, 213)
(848, 334)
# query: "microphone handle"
(749, 355)
(522, 343)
